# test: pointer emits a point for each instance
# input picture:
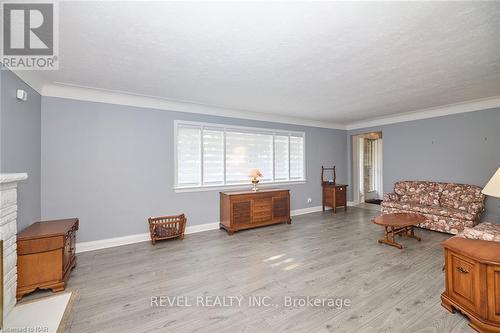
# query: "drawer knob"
(462, 270)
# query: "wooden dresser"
(45, 255)
(334, 195)
(249, 209)
(472, 276)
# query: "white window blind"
(246, 151)
(189, 156)
(296, 157)
(218, 155)
(281, 157)
(213, 157)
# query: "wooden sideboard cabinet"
(334, 195)
(472, 276)
(45, 255)
(249, 209)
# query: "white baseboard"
(307, 210)
(201, 227)
(111, 242)
(144, 237)
(137, 238)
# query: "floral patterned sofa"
(449, 207)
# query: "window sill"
(235, 187)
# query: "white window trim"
(225, 127)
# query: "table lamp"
(493, 186)
(255, 174)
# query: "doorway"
(367, 164)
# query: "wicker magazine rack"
(166, 227)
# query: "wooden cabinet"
(334, 195)
(472, 277)
(46, 255)
(248, 209)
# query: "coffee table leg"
(389, 238)
(412, 234)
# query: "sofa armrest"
(391, 197)
(484, 231)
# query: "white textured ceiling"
(330, 61)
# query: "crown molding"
(154, 102)
(444, 110)
(125, 98)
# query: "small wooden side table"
(334, 195)
(398, 224)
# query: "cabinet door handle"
(462, 270)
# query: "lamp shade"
(255, 173)
(493, 186)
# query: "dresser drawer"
(340, 189)
(39, 245)
(262, 210)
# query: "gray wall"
(20, 125)
(112, 166)
(462, 148)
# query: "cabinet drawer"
(464, 280)
(340, 190)
(262, 210)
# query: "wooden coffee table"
(398, 224)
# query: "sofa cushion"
(485, 231)
(456, 213)
(461, 196)
(399, 205)
(420, 192)
(435, 222)
(433, 210)
(412, 207)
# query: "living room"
(250, 166)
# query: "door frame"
(357, 142)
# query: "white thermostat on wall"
(21, 95)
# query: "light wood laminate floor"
(319, 254)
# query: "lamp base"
(255, 182)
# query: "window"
(218, 155)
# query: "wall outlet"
(309, 200)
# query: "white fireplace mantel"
(12, 177)
(8, 232)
